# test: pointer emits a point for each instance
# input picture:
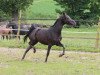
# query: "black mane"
(55, 23)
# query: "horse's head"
(8, 25)
(67, 20)
(11, 24)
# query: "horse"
(23, 28)
(5, 32)
(48, 36)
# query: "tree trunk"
(15, 15)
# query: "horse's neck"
(57, 27)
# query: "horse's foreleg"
(61, 45)
(3, 37)
(48, 51)
(34, 50)
(28, 48)
(19, 37)
(10, 37)
(63, 53)
(7, 37)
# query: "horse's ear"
(64, 13)
(58, 15)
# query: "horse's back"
(47, 36)
(43, 36)
(40, 35)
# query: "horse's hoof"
(45, 61)
(22, 59)
(61, 55)
(34, 51)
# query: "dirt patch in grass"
(72, 63)
(40, 54)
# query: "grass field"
(81, 41)
(41, 9)
(46, 9)
(73, 63)
(81, 58)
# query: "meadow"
(73, 40)
(41, 9)
(46, 9)
(81, 58)
(73, 63)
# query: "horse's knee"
(3, 37)
(58, 43)
(7, 37)
(30, 43)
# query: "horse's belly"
(43, 41)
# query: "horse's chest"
(58, 38)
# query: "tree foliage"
(12, 7)
(81, 9)
(3, 16)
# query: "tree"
(81, 9)
(2, 16)
(12, 7)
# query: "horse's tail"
(29, 32)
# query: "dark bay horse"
(48, 36)
(23, 28)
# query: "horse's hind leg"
(28, 48)
(34, 50)
(32, 44)
(3, 37)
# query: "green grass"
(48, 23)
(78, 43)
(72, 63)
(41, 9)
